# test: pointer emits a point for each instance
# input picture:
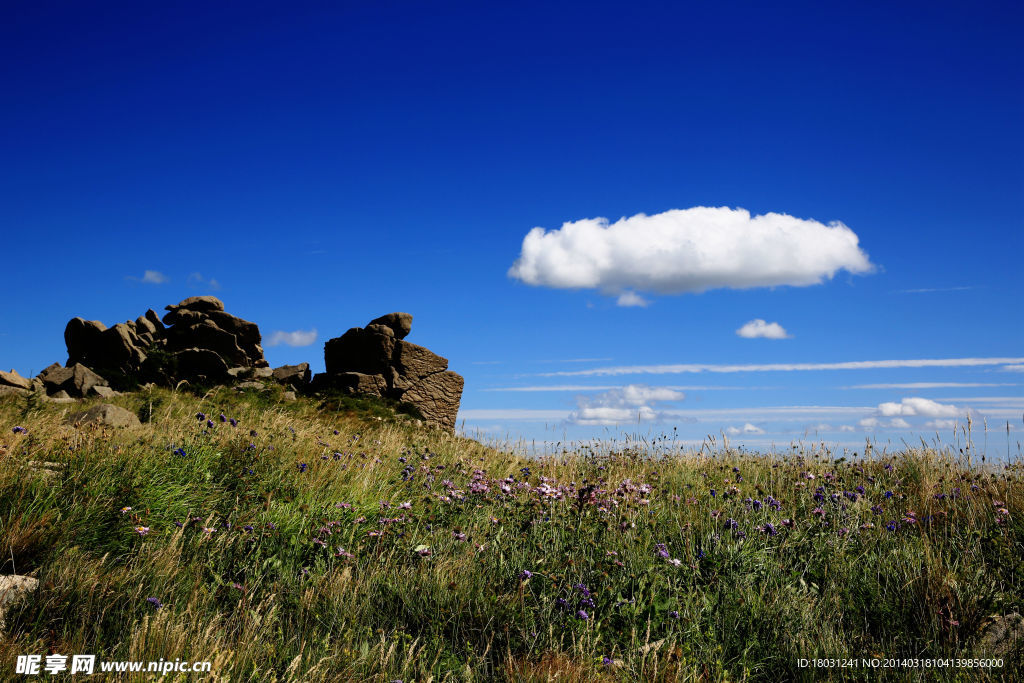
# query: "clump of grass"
(292, 542)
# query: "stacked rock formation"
(196, 341)
(376, 360)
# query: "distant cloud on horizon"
(150, 277)
(687, 251)
(631, 403)
(760, 329)
(923, 407)
(296, 338)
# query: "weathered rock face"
(75, 381)
(107, 415)
(376, 360)
(14, 589)
(196, 341)
(297, 376)
(15, 381)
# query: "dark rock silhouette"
(196, 341)
(377, 361)
(199, 342)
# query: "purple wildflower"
(20, 430)
(200, 416)
(155, 602)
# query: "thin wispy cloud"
(760, 329)
(1013, 368)
(296, 338)
(782, 367)
(150, 277)
(871, 423)
(929, 290)
(929, 385)
(688, 250)
(196, 281)
(760, 413)
(941, 424)
(587, 387)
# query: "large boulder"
(75, 381)
(297, 376)
(377, 361)
(13, 379)
(14, 589)
(105, 414)
(83, 338)
(437, 398)
(352, 383)
(399, 323)
(359, 350)
(193, 304)
(200, 365)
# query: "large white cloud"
(759, 328)
(923, 407)
(688, 250)
(631, 403)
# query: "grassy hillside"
(285, 543)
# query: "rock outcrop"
(13, 383)
(377, 361)
(197, 341)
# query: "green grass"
(315, 571)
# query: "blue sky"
(316, 167)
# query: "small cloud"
(633, 402)
(150, 277)
(899, 423)
(923, 407)
(629, 298)
(196, 280)
(745, 429)
(296, 338)
(868, 423)
(1013, 368)
(847, 428)
(758, 328)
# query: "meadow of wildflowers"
(286, 543)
